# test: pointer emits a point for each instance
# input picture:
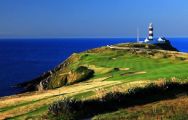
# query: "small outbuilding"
(161, 40)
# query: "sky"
(92, 18)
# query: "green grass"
(16, 105)
(19, 105)
(84, 95)
(25, 103)
(133, 98)
(161, 111)
(35, 114)
(155, 68)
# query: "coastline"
(36, 67)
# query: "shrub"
(74, 109)
(84, 73)
(66, 109)
(112, 97)
(116, 69)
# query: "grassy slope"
(103, 61)
(34, 104)
(154, 68)
(175, 109)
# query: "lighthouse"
(150, 34)
(150, 37)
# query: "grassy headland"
(84, 74)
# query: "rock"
(166, 46)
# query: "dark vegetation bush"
(138, 45)
(67, 108)
(77, 109)
(85, 73)
(166, 46)
(116, 69)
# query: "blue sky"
(92, 18)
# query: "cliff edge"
(75, 68)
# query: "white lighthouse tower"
(150, 32)
(150, 36)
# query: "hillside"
(82, 66)
(93, 73)
(166, 109)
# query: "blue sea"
(25, 59)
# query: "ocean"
(25, 59)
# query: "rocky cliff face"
(62, 75)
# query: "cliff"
(62, 75)
(78, 68)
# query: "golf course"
(94, 74)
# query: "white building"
(161, 40)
